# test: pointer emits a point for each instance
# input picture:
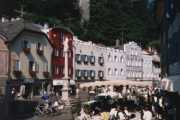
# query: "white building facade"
(147, 66)
(95, 62)
(133, 61)
(115, 69)
(89, 61)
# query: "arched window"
(109, 71)
(109, 57)
(115, 58)
(121, 59)
(115, 71)
(121, 72)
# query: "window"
(78, 73)
(70, 54)
(109, 71)
(57, 70)
(115, 58)
(56, 52)
(40, 49)
(121, 72)
(69, 71)
(61, 52)
(54, 35)
(109, 57)
(39, 46)
(85, 73)
(100, 74)
(85, 58)
(121, 59)
(62, 36)
(92, 73)
(101, 60)
(46, 67)
(92, 59)
(17, 65)
(26, 44)
(115, 71)
(78, 58)
(33, 66)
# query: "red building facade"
(57, 37)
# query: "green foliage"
(108, 18)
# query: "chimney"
(117, 43)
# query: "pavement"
(65, 115)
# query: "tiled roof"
(11, 29)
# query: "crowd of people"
(130, 103)
(49, 104)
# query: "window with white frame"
(56, 52)
(109, 71)
(121, 59)
(62, 36)
(26, 44)
(17, 65)
(39, 46)
(33, 66)
(57, 71)
(115, 58)
(109, 57)
(121, 72)
(115, 71)
(46, 67)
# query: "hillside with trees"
(125, 20)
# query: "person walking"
(147, 114)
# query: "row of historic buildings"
(128, 62)
(32, 59)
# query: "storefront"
(28, 88)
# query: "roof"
(11, 29)
(63, 28)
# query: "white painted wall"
(114, 64)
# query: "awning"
(57, 82)
(117, 83)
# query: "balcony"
(26, 50)
(46, 74)
(17, 73)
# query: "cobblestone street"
(65, 115)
